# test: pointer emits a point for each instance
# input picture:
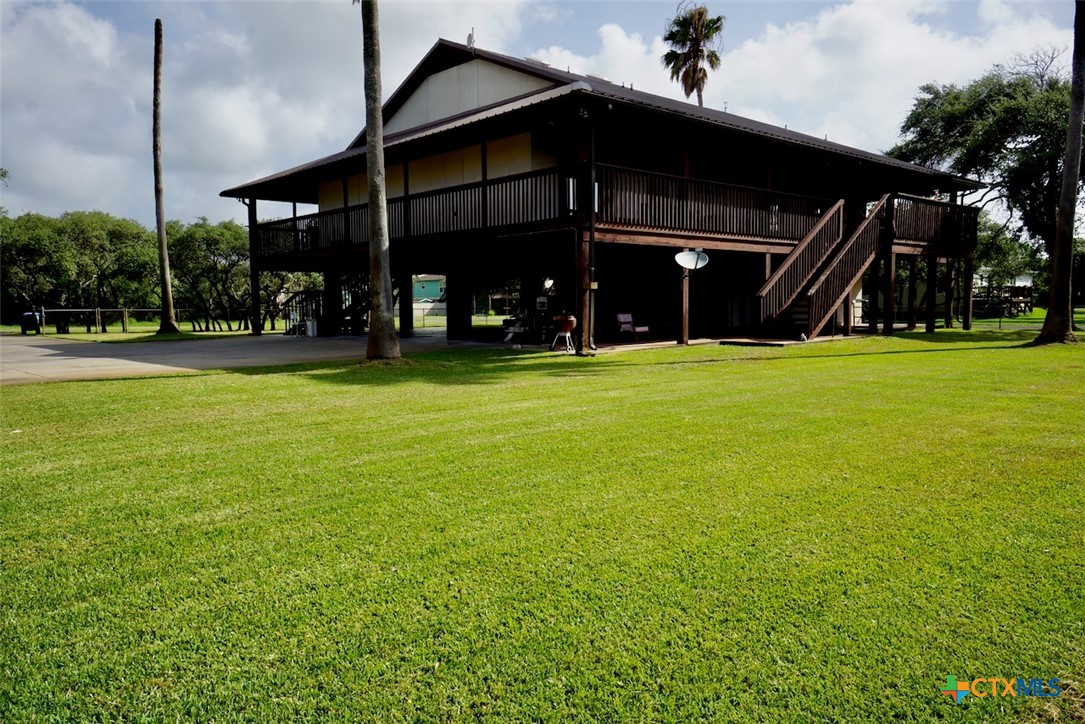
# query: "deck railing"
(625, 198)
(850, 262)
(797, 268)
(645, 200)
(509, 201)
(951, 227)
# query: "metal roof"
(284, 186)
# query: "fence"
(97, 320)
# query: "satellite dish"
(691, 259)
(471, 39)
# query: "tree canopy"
(90, 259)
(694, 37)
(1007, 128)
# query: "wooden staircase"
(846, 268)
(818, 274)
(785, 284)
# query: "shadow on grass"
(483, 365)
(448, 367)
(1009, 337)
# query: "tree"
(35, 263)
(168, 324)
(693, 37)
(1002, 253)
(1007, 128)
(1059, 321)
(212, 268)
(383, 342)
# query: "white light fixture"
(548, 284)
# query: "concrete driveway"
(47, 359)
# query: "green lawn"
(817, 533)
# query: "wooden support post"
(888, 236)
(913, 292)
(768, 266)
(875, 291)
(932, 292)
(331, 322)
(890, 293)
(683, 334)
(257, 322)
(583, 281)
(593, 209)
(848, 311)
(124, 320)
(485, 188)
(406, 201)
(966, 286)
(294, 226)
(458, 305)
(947, 310)
(406, 303)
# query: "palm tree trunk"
(383, 342)
(700, 97)
(1059, 321)
(168, 324)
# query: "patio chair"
(626, 325)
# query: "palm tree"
(383, 342)
(694, 38)
(168, 323)
(1059, 321)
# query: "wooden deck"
(630, 207)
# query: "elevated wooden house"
(500, 168)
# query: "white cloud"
(851, 72)
(251, 88)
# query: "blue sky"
(255, 87)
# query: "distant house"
(501, 168)
(428, 286)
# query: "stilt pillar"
(406, 304)
(932, 293)
(683, 333)
(848, 309)
(890, 293)
(583, 280)
(875, 292)
(331, 322)
(947, 309)
(458, 305)
(913, 292)
(255, 312)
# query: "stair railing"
(848, 265)
(801, 263)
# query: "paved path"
(26, 359)
(48, 359)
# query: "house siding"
(471, 85)
(504, 157)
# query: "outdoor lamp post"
(688, 260)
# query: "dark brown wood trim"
(684, 242)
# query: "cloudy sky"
(255, 87)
